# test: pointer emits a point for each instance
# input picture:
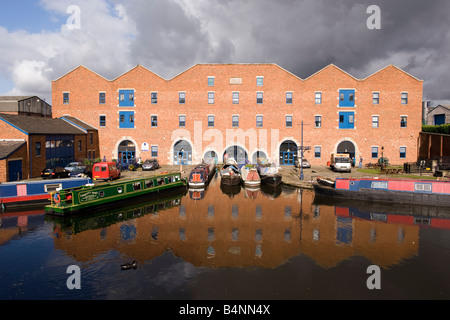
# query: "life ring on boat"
(57, 198)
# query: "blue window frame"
(259, 81)
(289, 97)
(210, 97)
(317, 151)
(318, 97)
(126, 119)
(102, 98)
(102, 121)
(346, 120)
(211, 121)
(66, 97)
(403, 121)
(182, 97)
(126, 98)
(404, 97)
(182, 121)
(154, 121)
(259, 97)
(235, 97)
(154, 97)
(346, 98)
(375, 152)
(154, 151)
(235, 121)
(375, 121)
(402, 152)
(288, 121)
(211, 81)
(259, 121)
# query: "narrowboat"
(269, 175)
(250, 175)
(201, 175)
(34, 192)
(407, 191)
(230, 174)
(109, 193)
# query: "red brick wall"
(19, 154)
(84, 87)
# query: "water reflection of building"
(218, 231)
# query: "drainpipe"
(30, 157)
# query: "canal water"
(228, 243)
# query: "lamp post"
(382, 158)
(301, 160)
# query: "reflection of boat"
(271, 191)
(230, 174)
(196, 193)
(251, 192)
(407, 214)
(269, 174)
(101, 195)
(201, 175)
(231, 191)
(29, 193)
(104, 218)
(409, 191)
(250, 175)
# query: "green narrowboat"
(103, 194)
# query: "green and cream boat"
(104, 194)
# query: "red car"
(105, 171)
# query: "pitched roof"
(78, 123)
(7, 147)
(40, 125)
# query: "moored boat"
(101, 195)
(34, 192)
(201, 175)
(230, 174)
(250, 176)
(408, 191)
(269, 174)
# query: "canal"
(263, 244)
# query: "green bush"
(443, 129)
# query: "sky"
(42, 40)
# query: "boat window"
(161, 181)
(101, 193)
(149, 183)
(169, 179)
(379, 185)
(52, 187)
(422, 187)
(119, 190)
(136, 186)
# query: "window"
(182, 121)
(211, 81)
(402, 152)
(154, 97)
(422, 187)
(346, 120)
(101, 98)
(259, 121)
(375, 121)
(318, 97)
(317, 151)
(66, 97)
(404, 98)
(375, 98)
(103, 121)
(154, 121)
(211, 97)
(375, 152)
(235, 121)
(379, 185)
(182, 97)
(235, 97)
(210, 121)
(126, 98)
(259, 97)
(79, 145)
(37, 149)
(318, 121)
(346, 98)
(126, 119)
(288, 121)
(288, 97)
(259, 81)
(154, 151)
(403, 121)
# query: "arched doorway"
(258, 155)
(211, 156)
(126, 152)
(288, 153)
(182, 152)
(237, 153)
(346, 147)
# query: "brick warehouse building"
(246, 110)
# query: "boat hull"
(230, 180)
(273, 180)
(385, 196)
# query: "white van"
(341, 162)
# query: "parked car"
(105, 171)
(150, 164)
(72, 165)
(81, 172)
(56, 172)
(305, 163)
